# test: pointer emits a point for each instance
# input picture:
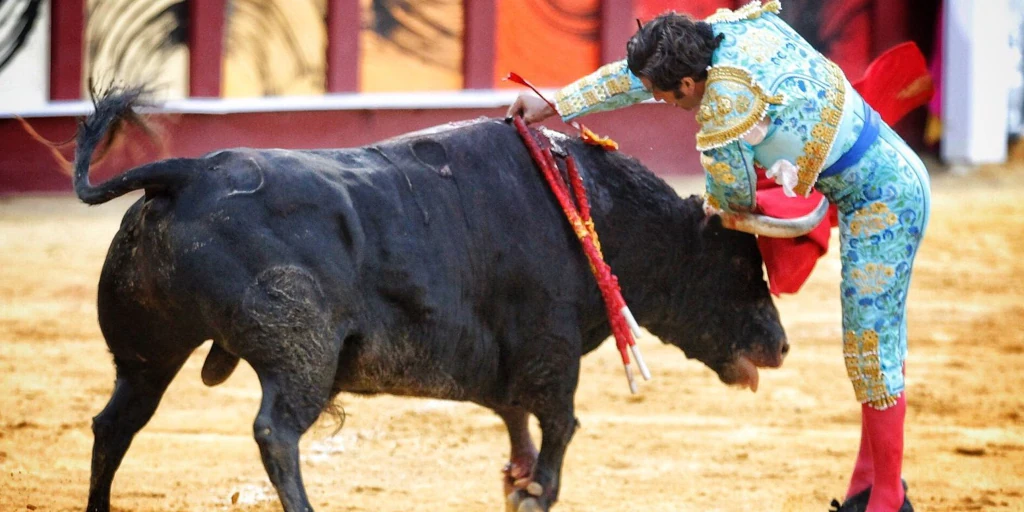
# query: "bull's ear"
(710, 232)
(712, 224)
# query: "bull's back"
(463, 203)
(426, 250)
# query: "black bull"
(436, 264)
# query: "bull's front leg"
(542, 491)
(518, 472)
(552, 401)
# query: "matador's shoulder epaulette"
(733, 103)
(748, 12)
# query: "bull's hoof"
(535, 489)
(523, 502)
(518, 474)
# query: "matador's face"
(687, 96)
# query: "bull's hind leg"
(137, 392)
(285, 334)
(148, 352)
(291, 403)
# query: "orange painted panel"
(548, 42)
(411, 46)
(136, 42)
(274, 48)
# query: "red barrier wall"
(661, 136)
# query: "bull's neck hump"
(648, 236)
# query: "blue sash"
(868, 136)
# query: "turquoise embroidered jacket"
(762, 70)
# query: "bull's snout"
(769, 357)
(743, 370)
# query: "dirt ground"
(687, 442)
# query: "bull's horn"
(774, 227)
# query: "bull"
(435, 264)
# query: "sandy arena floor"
(686, 443)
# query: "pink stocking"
(864, 469)
(884, 438)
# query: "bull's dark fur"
(436, 264)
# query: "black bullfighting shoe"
(859, 502)
(850, 506)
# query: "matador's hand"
(532, 108)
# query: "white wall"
(25, 82)
(976, 81)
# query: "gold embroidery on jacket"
(618, 85)
(733, 103)
(747, 12)
(760, 45)
(721, 172)
(593, 89)
(712, 201)
(823, 134)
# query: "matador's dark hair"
(671, 47)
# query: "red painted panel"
(206, 44)
(343, 45)
(67, 31)
(478, 43)
(852, 24)
(890, 25)
(617, 25)
(658, 135)
(648, 9)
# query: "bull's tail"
(113, 111)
